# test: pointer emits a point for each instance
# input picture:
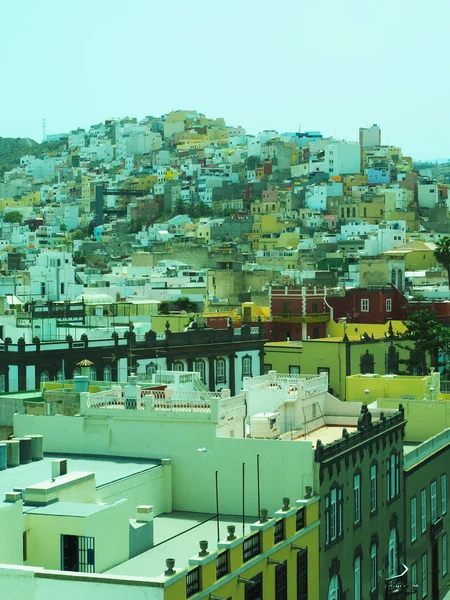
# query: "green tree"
(14, 216)
(164, 307)
(429, 336)
(179, 209)
(442, 255)
(63, 227)
(184, 303)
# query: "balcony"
(437, 528)
(396, 587)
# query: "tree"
(14, 216)
(442, 255)
(184, 303)
(179, 209)
(63, 227)
(423, 327)
(164, 307)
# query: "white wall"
(11, 527)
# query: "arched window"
(76, 372)
(178, 366)
(393, 277)
(44, 376)
(92, 374)
(220, 370)
(400, 280)
(59, 375)
(200, 369)
(333, 588)
(107, 373)
(392, 554)
(246, 366)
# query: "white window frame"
(333, 588)
(246, 366)
(423, 511)
(392, 554)
(201, 369)
(388, 304)
(357, 578)
(356, 499)
(414, 580)
(373, 568)
(220, 370)
(373, 488)
(424, 563)
(444, 555)
(413, 514)
(433, 501)
(443, 494)
(365, 304)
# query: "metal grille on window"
(302, 575)
(251, 547)
(278, 531)
(300, 519)
(222, 565)
(193, 582)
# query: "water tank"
(265, 425)
(24, 450)
(81, 383)
(12, 448)
(37, 446)
(3, 456)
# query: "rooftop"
(326, 434)
(176, 535)
(107, 470)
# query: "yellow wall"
(419, 260)
(352, 329)
(282, 551)
(387, 387)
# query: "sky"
(330, 65)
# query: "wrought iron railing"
(300, 519)
(396, 585)
(222, 565)
(251, 547)
(192, 582)
(278, 533)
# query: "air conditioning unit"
(59, 467)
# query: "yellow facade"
(351, 181)
(353, 329)
(231, 586)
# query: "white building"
(53, 277)
(370, 137)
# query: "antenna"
(44, 123)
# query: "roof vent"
(59, 467)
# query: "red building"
(298, 313)
(375, 305)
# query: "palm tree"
(442, 255)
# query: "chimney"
(144, 513)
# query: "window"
(192, 582)
(414, 581)
(107, 373)
(294, 370)
(300, 519)
(333, 589)
(365, 305)
(444, 555)
(254, 590)
(393, 476)
(77, 553)
(59, 375)
(373, 567)
(423, 511)
(150, 369)
(443, 494)
(392, 554)
(281, 581)
(222, 564)
(267, 368)
(424, 575)
(76, 372)
(251, 547)
(373, 488)
(433, 501)
(220, 370)
(44, 376)
(24, 547)
(246, 366)
(413, 519)
(357, 499)
(92, 374)
(357, 578)
(178, 366)
(333, 515)
(315, 307)
(302, 574)
(388, 304)
(278, 534)
(286, 309)
(200, 369)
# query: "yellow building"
(335, 356)
(418, 255)
(427, 410)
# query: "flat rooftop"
(107, 470)
(177, 535)
(326, 434)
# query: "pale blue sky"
(331, 65)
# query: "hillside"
(11, 149)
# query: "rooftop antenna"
(44, 123)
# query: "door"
(69, 552)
